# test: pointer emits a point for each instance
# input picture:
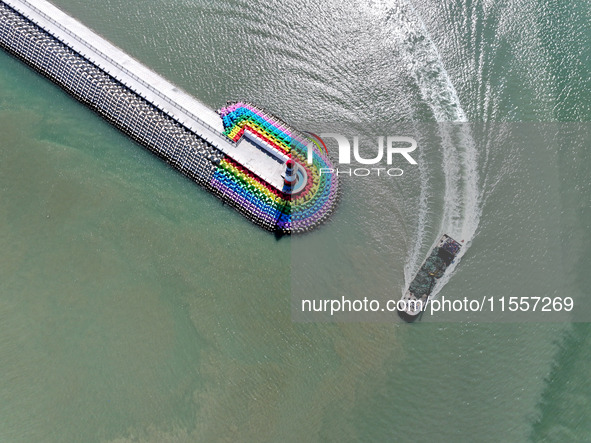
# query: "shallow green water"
(134, 305)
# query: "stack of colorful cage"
(268, 207)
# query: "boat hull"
(433, 268)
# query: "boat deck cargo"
(433, 268)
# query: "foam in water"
(461, 209)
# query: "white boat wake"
(461, 207)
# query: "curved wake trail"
(461, 210)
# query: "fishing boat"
(417, 296)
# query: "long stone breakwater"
(244, 155)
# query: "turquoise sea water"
(136, 307)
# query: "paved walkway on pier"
(191, 113)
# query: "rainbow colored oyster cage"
(280, 211)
